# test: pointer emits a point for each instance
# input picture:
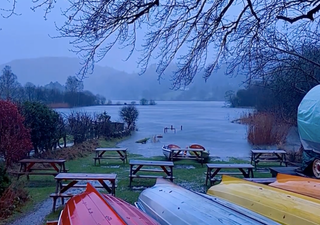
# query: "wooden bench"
(35, 173)
(100, 154)
(136, 166)
(74, 178)
(85, 185)
(53, 222)
(268, 156)
(266, 180)
(285, 170)
(214, 169)
(31, 167)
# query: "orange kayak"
(93, 208)
(302, 185)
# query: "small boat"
(301, 185)
(142, 141)
(91, 207)
(205, 153)
(279, 205)
(167, 150)
(171, 204)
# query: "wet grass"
(188, 173)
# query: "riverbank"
(188, 173)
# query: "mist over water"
(207, 123)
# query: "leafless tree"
(74, 85)
(9, 85)
(212, 30)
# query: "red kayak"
(93, 208)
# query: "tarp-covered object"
(309, 125)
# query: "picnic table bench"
(136, 166)
(188, 153)
(32, 167)
(268, 156)
(214, 169)
(262, 180)
(74, 178)
(100, 154)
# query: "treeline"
(72, 94)
(33, 125)
(281, 88)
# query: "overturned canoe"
(279, 205)
(171, 204)
(301, 185)
(93, 208)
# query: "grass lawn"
(188, 173)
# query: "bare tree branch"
(199, 34)
(309, 15)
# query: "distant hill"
(52, 72)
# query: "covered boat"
(205, 153)
(308, 126)
(91, 207)
(167, 150)
(301, 185)
(279, 205)
(171, 204)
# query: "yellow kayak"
(279, 205)
(300, 185)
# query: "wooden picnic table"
(74, 178)
(198, 154)
(268, 156)
(214, 169)
(100, 154)
(136, 166)
(31, 167)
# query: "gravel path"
(41, 210)
(36, 217)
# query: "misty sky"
(27, 36)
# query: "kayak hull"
(279, 205)
(171, 204)
(301, 185)
(91, 207)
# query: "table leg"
(208, 175)
(55, 167)
(285, 159)
(137, 169)
(250, 172)
(214, 174)
(105, 186)
(256, 157)
(171, 172)
(113, 187)
(64, 167)
(65, 188)
(122, 157)
(58, 187)
(130, 177)
(244, 173)
(28, 169)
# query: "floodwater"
(207, 123)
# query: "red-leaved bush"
(15, 140)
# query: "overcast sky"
(27, 36)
